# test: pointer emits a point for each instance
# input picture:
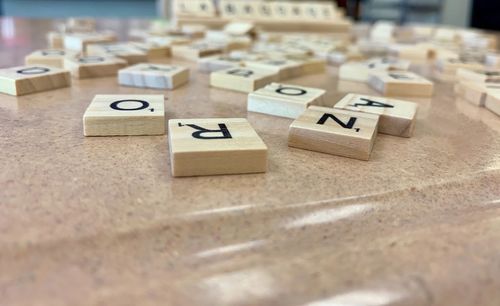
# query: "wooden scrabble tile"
(480, 75)
(197, 50)
(311, 11)
(55, 40)
(242, 79)
(23, 80)
(283, 67)
(229, 9)
(205, 8)
(240, 28)
(475, 92)
(284, 100)
(125, 115)
(493, 101)
(153, 76)
(397, 117)
(124, 51)
(411, 52)
(198, 8)
(281, 10)
(401, 83)
(313, 65)
(387, 63)
(215, 146)
(244, 55)
(153, 50)
(361, 71)
(334, 131)
(48, 57)
(218, 62)
(451, 65)
(80, 24)
(264, 10)
(170, 40)
(352, 54)
(79, 41)
(492, 60)
(382, 31)
(236, 43)
(247, 10)
(83, 67)
(328, 11)
(296, 11)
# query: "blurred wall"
(457, 12)
(67, 8)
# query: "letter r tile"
(215, 146)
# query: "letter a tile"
(122, 115)
(215, 146)
(334, 131)
(397, 117)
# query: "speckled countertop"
(100, 221)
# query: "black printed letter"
(291, 91)
(372, 103)
(348, 125)
(33, 70)
(116, 105)
(198, 134)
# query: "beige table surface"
(100, 221)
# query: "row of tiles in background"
(454, 12)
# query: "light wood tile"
(125, 51)
(401, 83)
(123, 115)
(478, 75)
(285, 68)
(80, 41)
(493, 101)
(153, 76)
(284, 100)
(334, 131)
(218, 62)
(22, 80)
(215, 146)
(49, 57)
(476, 92)
(361, 71)
(153, 50)
(55, 40)
(242, 79)
(196, 50)
(83, 67)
